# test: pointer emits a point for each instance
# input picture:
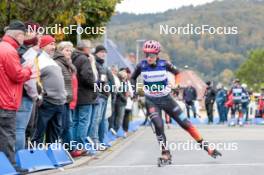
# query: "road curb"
(85, 160)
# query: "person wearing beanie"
(100, 48)
(100, 123)
(54, 94)
(12, 78)
(47, 44)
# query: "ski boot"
(165, 158)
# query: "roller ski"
(165, 159)
(213, 153)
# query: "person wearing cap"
(54, 95)
(209, 101)
(12, 78)
(99, 125)
(86, 101)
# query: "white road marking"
(179, 165)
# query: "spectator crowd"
(48, 92)
(54, 92)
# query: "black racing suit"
(156, 101)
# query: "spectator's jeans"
(67, 134)
(22, 118)
(104, 124)
(103, 129)
(190, 104)
(82, 122)
(221, 111)
(97, 119)
(49, 122)
(111, 119)
(120, 113)
(8, 133)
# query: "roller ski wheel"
(165, 159)
(214, 154)
(163, 162)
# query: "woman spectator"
(63, 59)
(121, 99)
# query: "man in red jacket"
(12, 78)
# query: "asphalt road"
(243, 154)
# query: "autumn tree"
(95, 13)
(251, 71)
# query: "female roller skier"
(157, 97)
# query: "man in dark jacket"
(209, 101)
(12, 78)
(189, 96)
(100, 124)
(86, 95)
